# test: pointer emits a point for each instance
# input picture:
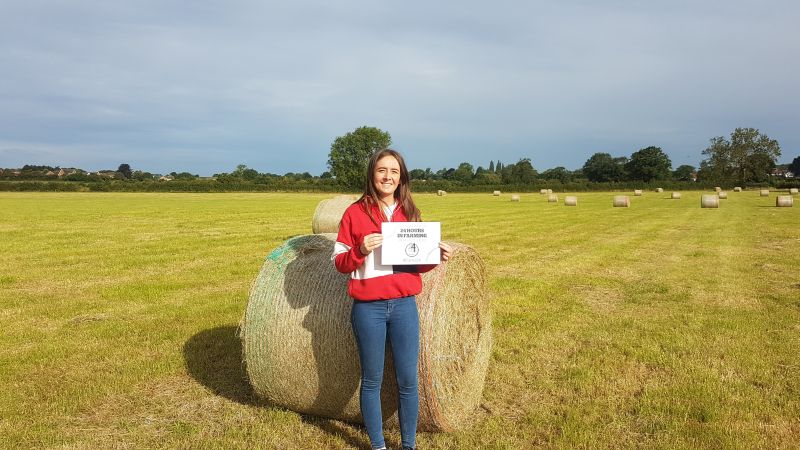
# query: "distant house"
(782, 172)
(166, 178)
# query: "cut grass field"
(662, 325)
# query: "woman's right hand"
(370, 243)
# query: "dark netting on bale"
(300, 352)
(329, 213)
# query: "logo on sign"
(412, 249)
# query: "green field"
(662, 325)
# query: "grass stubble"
(662, 325)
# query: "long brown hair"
(402, 195)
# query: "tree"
(491, 166)
(350, 153)
(683, 173)
(735, 160)
(416, 174)
(649, 163)
(794, 167)
(243, 172)
(557, 173)
(602, 167)
(464, 173)
(125, 169)
(523, 171)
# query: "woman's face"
(386, 177)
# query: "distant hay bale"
(764, 192)
(552, 198)
(637, 192)
(622, 201)
(784, 201)
(549, 191)
(709, 201)
(329, 213)
(496, 193)
(737, 189)
(542, 191)
(515, 198)
(299, 351)
(441, 193)
(793, 191)
(676, 195)
(659, 190)
(717, 189)
(722, 195)
(571, 200)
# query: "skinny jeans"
(375, 323)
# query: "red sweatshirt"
(369, 279)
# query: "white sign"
(410, 243)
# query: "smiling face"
(386, 178)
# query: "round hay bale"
(496, 193)
(717, 189)
(793, 191)
(659, 190)
(299, 350)
(637, 192)
(722, 195)
(549, 191)
(737, 189)
(709, 201)
(515, 198)
(784, 201)
(329, 213)
(764, 192)
(441, 193)
(622, 201)
(676, 195)
(552, 198)
(542, 191)
(571, 200)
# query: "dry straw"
(329, 213)
(571, 200)
(515, 198)
(542, 191)
(441, 193)
(637, 192)
(722, 195)
(622, 201)
(676, 195)
(549, 191)
(496, 193)
(793, 191)
(552, 198)
(709, 201)
(300, 353)
(764, 192)
(737, 189)
(717, 189)
(659, 190)
(784, 201)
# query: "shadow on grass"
(214, 359)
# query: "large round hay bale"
(441, 193)
(793, 191)
(329, 213)
(549, 191)
(515, 198)
(676, 195)
(622, 201)
(571, 200)
(722, 195)
(717, 189)
(659, 190)
(784, 201)
(552, 198)
(737, 189)
(637, 192)
(300, 353)
(496, 193)
(764, 192)
(542, 191)
(709, 201)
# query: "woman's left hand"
(446, 251)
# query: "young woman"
(384, 303)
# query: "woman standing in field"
(384, 302)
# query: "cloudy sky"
(204, 85)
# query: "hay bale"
(496, 193)
(784, 201)
(676, 195)
(441, 193)
(717, 189)
(300, 353)
(659, 190)
(571, 200)
(549, 191)
(515, 198)
(329, 213)
(737, 189)
(793, 191)
(542, 191)
(709, 201)
(637, 192)
(722, 195)
(552, 198)
(764, 192)
(622, 201)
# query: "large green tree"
(683, 172)
(603, 167)
(794, 167)
(557, 173)
(747, 156)
(350, 153)
(647, 164)
(464, 173)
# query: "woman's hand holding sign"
(371, 242)
(446, 251)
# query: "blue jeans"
(375, 323)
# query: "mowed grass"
(662, 325)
